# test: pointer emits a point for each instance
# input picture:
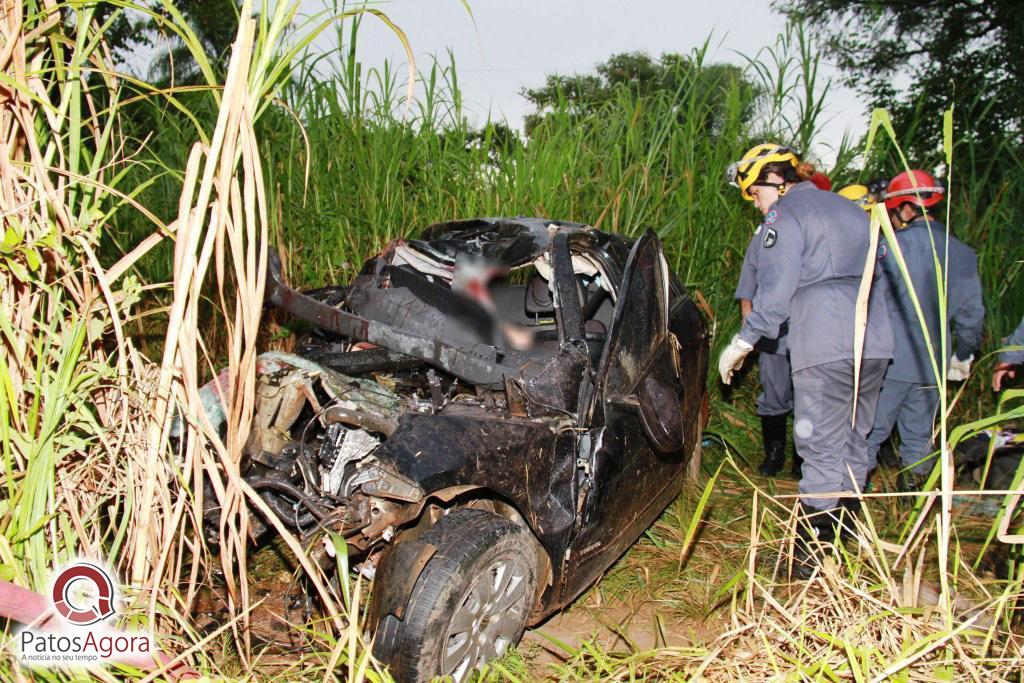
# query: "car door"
(631, 459)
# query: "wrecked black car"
(490, 415)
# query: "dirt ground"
(280, 607)
(614, 627)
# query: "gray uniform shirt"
(1015, 339)
(964, 307)
(747, 287)
(811, 253)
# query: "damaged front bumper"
(310, 452)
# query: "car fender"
(526, 463)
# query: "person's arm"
(1009, 360)
(888, 279)
(969, 315)
(779, 260)
(747, 284)
(889, 270)
(1015, 339)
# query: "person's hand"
(732, 357)
(959, 370)
(1002, 371)
(746, 306)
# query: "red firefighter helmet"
(916, 187)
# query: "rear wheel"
(470, 603)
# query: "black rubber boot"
(909, 482)
(798, 464)
(773, 431)
(850, 509)
(815, 534)
(887, 456)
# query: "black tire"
(473, 547)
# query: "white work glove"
(959, 370)
(732, 357)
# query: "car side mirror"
(661, 415)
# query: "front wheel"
(470, 603)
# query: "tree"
(215, 23)
(124, 30)
(963, 52)
(669, 75)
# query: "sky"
(516, 43)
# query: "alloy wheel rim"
(487, 619)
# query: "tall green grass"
(381, 167)
(360, 172)
(87, 467)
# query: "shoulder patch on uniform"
(770, 238)
(770, 217)
(882, 250)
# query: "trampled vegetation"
(136, 223)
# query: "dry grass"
(88, 467)
(866, 616)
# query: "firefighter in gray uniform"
(775, 402)
(910, 397)
(811, 257)
(1009, 360)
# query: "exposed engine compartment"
(310, 453)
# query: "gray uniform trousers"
(776, 397)
(830, 447)
(911, 408)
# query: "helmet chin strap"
(918, 212)
(781, 188)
